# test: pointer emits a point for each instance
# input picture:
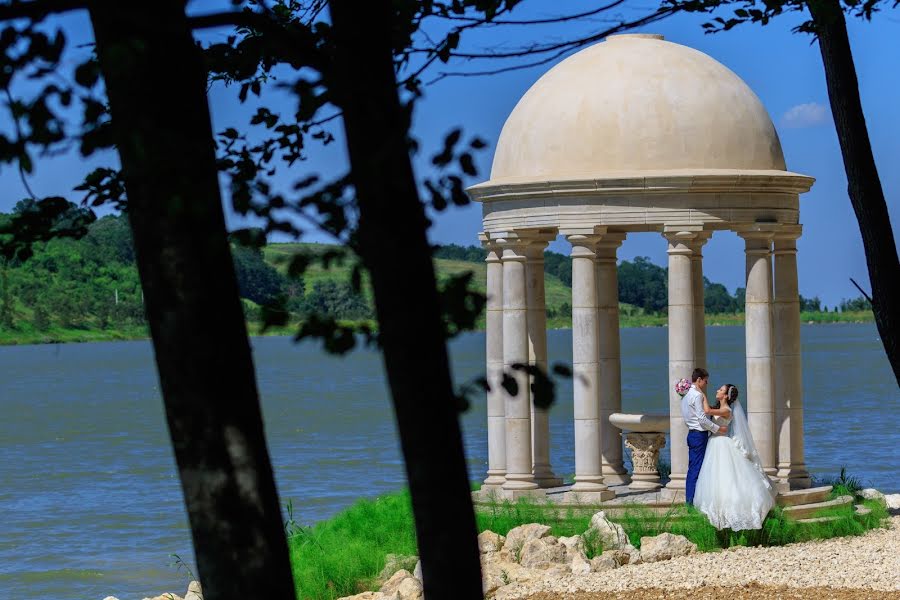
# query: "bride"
(733, 491)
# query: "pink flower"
(682, 386)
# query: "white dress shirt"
(692, 412)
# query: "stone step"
(819, 520)
(802, 511)
(808, 496)
(860, 510)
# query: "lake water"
(90, 503)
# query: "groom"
(698, 425)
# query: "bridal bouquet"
(682, 386)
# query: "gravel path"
(845, 568)
(750, 591)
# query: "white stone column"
(681, 343)
(496, 409)
(760, 392)
(537, 356)
(700, 359)
(609, 358)
(792, 471)
(589, 485)
(519, 476)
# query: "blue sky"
(783, 68)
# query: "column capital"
(535, 250)
(611, 240)
(786, 239)
(758, 237)
(681, 246)
(602, 243)
(698, 242)
(584, 244)
(517, 242)
(493, 250)
(608, 245)
(682, 238)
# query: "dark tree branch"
(548, 21)
(292, 39)
(19, 137)
(561, 46)
(560, 49)
(867, 297)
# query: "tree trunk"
(156, 85)
(394, 248)
(864, 186)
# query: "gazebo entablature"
(648, 203)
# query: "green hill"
(277, 255)
(88, 289)
(558, 294)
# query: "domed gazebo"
(637, 134)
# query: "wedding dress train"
(733, 491)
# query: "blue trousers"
(696, 442)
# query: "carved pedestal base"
(645, 449)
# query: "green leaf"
(510, 385)
(87, 73)
(467, 164)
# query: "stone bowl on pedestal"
(645, 437)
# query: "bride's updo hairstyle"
(731, 393)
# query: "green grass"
(502, 516)
(343, 555)
(843, 484)
(856, 316)
(25, 333)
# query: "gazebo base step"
(807, 496)
(803, 511)
(818, 520)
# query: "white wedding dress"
(732, 490)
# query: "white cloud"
(805, 115)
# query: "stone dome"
(634, 104)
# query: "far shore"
(58, 335)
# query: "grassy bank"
(27, 334)
(343, 555)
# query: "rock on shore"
(529, 554)
(867, 566)
(194, 592)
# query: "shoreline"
(863, 566)
(85, 336)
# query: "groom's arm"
(702, 419)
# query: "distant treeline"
(92, 283)
(645, 285)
